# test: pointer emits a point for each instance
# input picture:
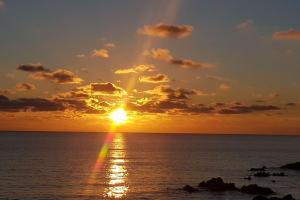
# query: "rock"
(190, 189)
(217, 184)
(262, 174)
(294, 166)
(263, 168)
(248, 178)
(279, 174)
(259, 197)
(255, 189)
(287, 197)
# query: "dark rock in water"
(295, 166)
(287, 197)
(255, 189)
(190, 189)
(217, 184)
(248, 178)
(279, 174)
(259, 197)
(262, 174)
(263, 168)
(273, 181)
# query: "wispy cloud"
(166, 31)
(136, 69)
(291, 34)
(158, 78)
(25, 86)
(101, 53)
(166, 56)
(61, 76)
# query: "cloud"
(291, 104)
(166, 31)
(224, 86)
(29, 104)
(217, 78)
(241, 109)
(2, 3)
(291, 34)
(110, 45)
(166, 56)
(166, 92)
(25, 86)
(80, 56)
(32, 68)
(247, 25)
(136, 69)
(158, 78)
(60, 76)
(101, 53)
(107, 88)
(5, 92)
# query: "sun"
(118, 116)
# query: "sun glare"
(118, 116)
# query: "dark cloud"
(166, 31)
(32, 68)
(158, 78)
(241, 109)
(25, 86)
(166, 56)
(291, 104)
(29, 104)
(60, 76)
(108, 88)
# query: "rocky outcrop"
(255, 189)
(294, 166)
(217, 184)
(189, 189)
(287, 197)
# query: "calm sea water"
(138, 166)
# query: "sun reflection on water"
(117, 171)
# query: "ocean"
(48, 166)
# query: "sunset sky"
(200, 66)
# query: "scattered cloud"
(291, 104)
(158, 78)
(247, 25)
(241, 109)
(291, 34)
(136, 69)
(32, 68)
(166, 31)
(80, 55)
(217, 78)
(2, 3)
(224, 86)
(107, 88)
(25, 86)
(166, 56)
(110, 45)
(5, 92)
(61, 76)
(29, 104)
(101, 53)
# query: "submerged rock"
(262, 174)
(287, 197)
(295, 166)
(255, 189)
(217, 184)
(190, 189)
(263, 168)
(279, 174)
